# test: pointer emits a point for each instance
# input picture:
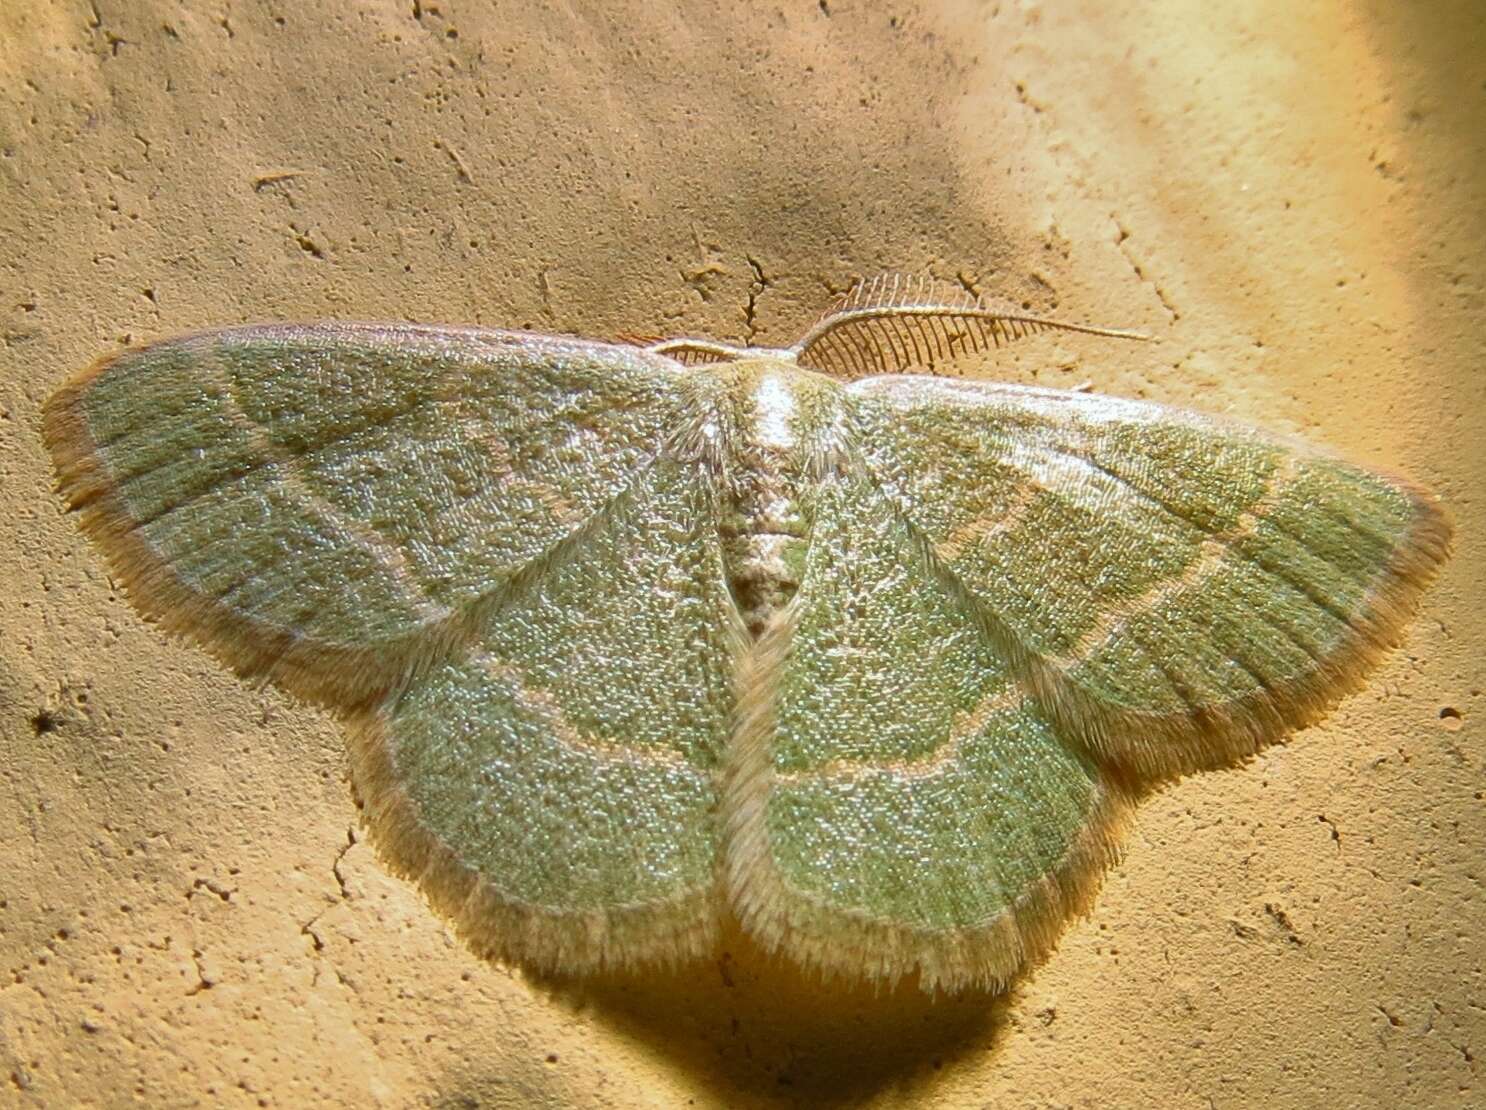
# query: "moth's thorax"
(776, 416)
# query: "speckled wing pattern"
(466, 542)
(499, 556)
(897, 802)
(1019, 604)
(1173, 589)
(568, 755)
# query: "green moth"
(629, 638)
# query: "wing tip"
(79, 472)
(158, 593)
(1157, 748)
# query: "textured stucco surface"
(1288, 197)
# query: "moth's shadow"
(756, 1025)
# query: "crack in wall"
(761, 281)
(307, 928)
(1039, 107)
(1138, 267)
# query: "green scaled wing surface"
(1174, 590)
(1016, 605)
(476, 546)
(897, 802)
(326, 506)
(553, 786)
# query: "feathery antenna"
(694, 352)
(894, 323)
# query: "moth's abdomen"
(773, 417)
(765, 531)
(763, 569)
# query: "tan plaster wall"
(1289, 196)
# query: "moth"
(632, 638)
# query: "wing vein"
(391, 557)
